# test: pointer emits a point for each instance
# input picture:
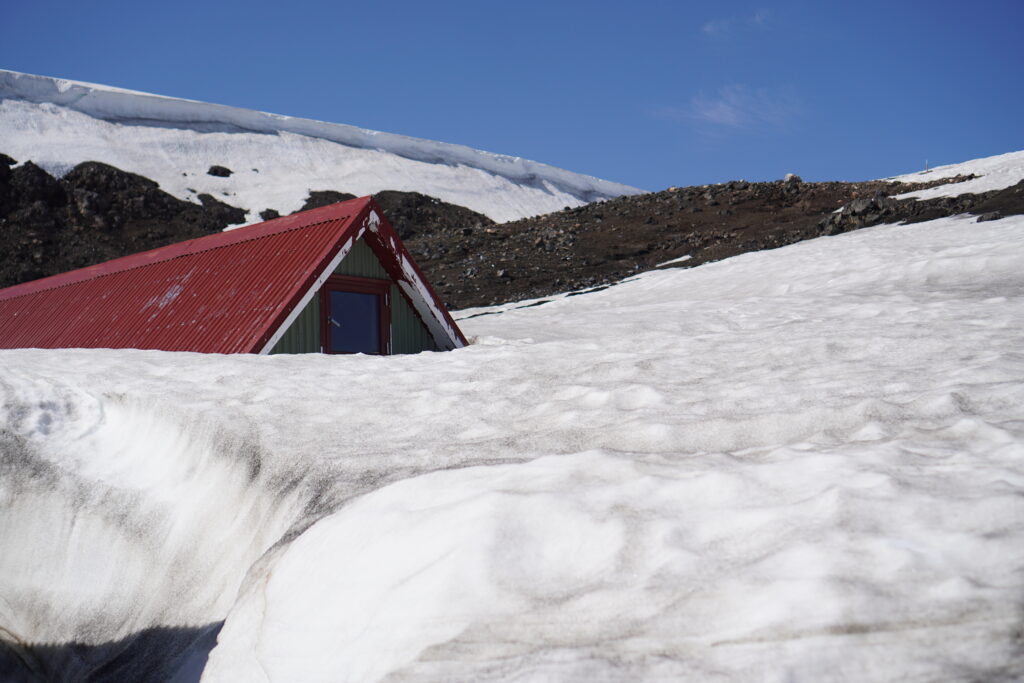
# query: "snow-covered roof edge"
(127, 106)
(370, 223)
(412, 283)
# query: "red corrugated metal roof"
(224, 293)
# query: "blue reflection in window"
(353, 322)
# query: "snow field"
(276, 160)
(274, 171)
(800, 465)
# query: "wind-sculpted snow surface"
(120, 514)
(275, 160)
(804, 464)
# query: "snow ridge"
(128, 109)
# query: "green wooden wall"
(408, 333)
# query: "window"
(355, 315)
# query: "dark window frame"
(359, 285)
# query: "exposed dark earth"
(601, 243)
(94, 213)
(97, 212)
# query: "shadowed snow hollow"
(803, 464)
(121, 515)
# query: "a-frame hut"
(332, 280)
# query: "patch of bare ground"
(601, 243)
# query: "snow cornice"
(117, 105)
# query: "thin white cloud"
(716, 27)
(738, 108)
(722, 27)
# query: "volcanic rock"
(94, 213)
(98, 212)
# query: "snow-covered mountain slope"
(804, 464)
(275, 159)
(994, 173)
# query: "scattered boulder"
(219, 171)
(792, 178)
(411, 213)
(318, 198)
(269, 214)
(219, 212)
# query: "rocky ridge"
(94, 213)
(97, 212)
(600, 243)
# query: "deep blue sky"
(647, 93)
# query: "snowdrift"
(276, 160)
(804, 464)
